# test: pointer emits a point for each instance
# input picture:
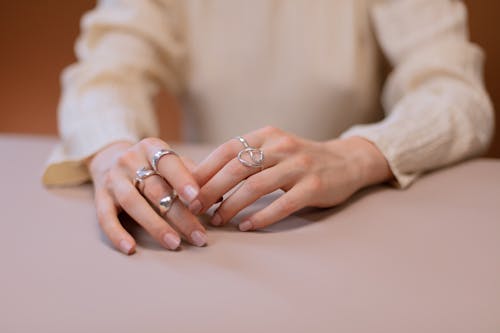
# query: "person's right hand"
(113, 171)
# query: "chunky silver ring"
(140, 175)
(167, 202)
(159, 154)
(250, 156)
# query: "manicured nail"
(195, 207)
(125, 246)
(245, 226)
(216, 219)
(198, 238)
(172, 241)
(190, 192)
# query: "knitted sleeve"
(127, 50)
(437, 109)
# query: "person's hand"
(319, 174)
(113, 171)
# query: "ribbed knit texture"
(308, 66)
(437, 109)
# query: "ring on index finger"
(140, 175)
(250, 156)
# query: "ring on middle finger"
(250, 156)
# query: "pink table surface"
(426, 259)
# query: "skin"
(113, 172)
(311, 173)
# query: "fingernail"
(245, 226)
(195, 207)
(216, 219)
(172, 241)
(190, 192)
(198, 238)
(125, 246)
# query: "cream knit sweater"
(311, 67)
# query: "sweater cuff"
(386, 146)
(63, 169)
(94, 120)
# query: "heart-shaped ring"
(250, 156)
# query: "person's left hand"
(319, 174)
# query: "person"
(290, 89)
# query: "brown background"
(37, 38)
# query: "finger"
(155, 188)
(107, 215)
(189, 163)
(173, 170)
(139, 209)
(252, 189)
(280, 208)
(223, 154)
(191, 166)
(231, 174)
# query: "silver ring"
(140, 175)
(159, 154)
(250, 156)
(167, 202)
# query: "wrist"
(368, 163)
(100, 159)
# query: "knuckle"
(102, 217)
(112, 177)
(287, 144)
(270, 130)
(126, 158)
(126, 199)
(304, 161)
(108, 179)
(152, 141)
(315, 183)
(225, 213)
(234, 169)
(287, 206)
(226, 150)
(104, 213)
(253, 186)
